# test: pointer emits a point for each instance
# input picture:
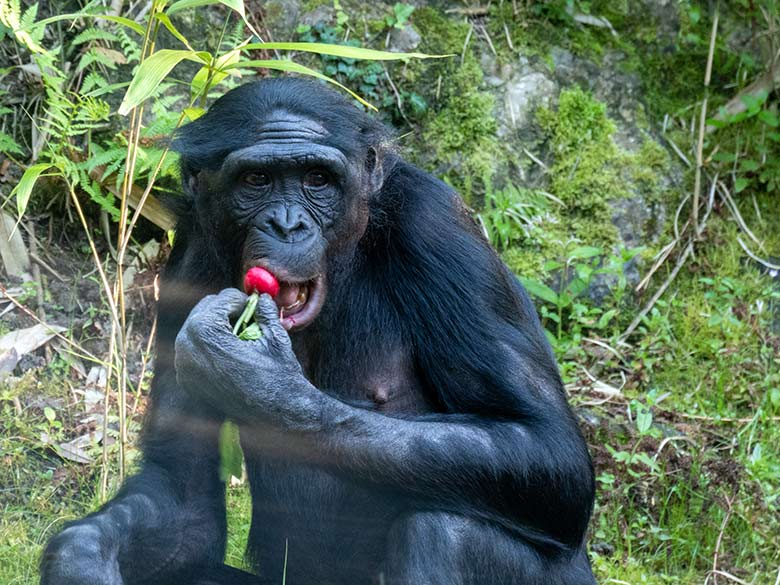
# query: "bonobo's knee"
(437, 548)
(432, 548)
(79, 556)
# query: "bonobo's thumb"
(267, 316)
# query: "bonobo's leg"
(219, 575)
(168, 518)
(435, 548)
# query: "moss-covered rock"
(594, 178)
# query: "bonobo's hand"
(246, 380)
(77, 556)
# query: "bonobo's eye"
(256, 179)
(316, 179)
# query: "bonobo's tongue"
(291, 297)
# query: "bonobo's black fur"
(410, 429)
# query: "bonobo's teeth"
(292, 298)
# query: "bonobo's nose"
(288, 224)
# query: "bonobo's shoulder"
(405, 173)
(417, 188)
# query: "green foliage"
(586, 174)
(400, 16)
(750, 144)
(565, 307)
(512, 216)
(368, 75)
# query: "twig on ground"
(83, 353)
(466, 44)
(508, 38)
(727, 575)
(732, 206)
(661, 290)
(485, 34)
(39, 261)
(669, 440)
(535, 159)
(703, 121)
(764, 263)
(719, 541)
(398, 99)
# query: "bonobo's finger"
(228, 303)
(267, 316)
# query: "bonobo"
(402, 416)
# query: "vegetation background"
(622, 156)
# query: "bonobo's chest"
(377, 379)
(301, 508)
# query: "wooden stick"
(703, 121)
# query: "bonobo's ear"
(189, 179)
(374, 170)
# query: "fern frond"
(130, 47)
(9, 145)
(93, 80)
(108, 57)
(94, 34)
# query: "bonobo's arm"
(528, 471)
(167, 517)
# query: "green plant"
(751, 156)
(400, 16)
(566, 305)
(511, 215)
(368, 75)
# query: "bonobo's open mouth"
(299, 300)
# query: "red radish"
(259, 280)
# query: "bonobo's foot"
(76, 557)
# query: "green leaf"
(740, 184)
(208, 77)
(540, 290)
(581, 252)
(749, 165)
(193, 113)
(344, 51)
(24, 188)
(152, 72)
(293, 67)
(251, 333)
(606, 318)
(231, 455)
(237, 5)
(165, 19)
(49, 413)
(769, 118)
(644, 419)
(132, 25)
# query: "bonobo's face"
(290, 202)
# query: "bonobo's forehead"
(283, 126)
(285, 153)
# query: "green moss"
(311, 5)
(590, 171)
(459, 139)
(586, 174)
(524, 262)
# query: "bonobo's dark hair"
(232, 120)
